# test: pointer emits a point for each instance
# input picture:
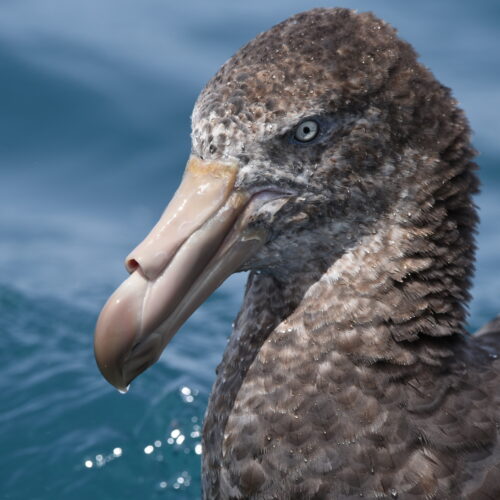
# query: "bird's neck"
(376, 303)
(383, 299)
(392, 306)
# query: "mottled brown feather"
(349, 372)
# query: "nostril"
(131, 265)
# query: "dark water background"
(95, 99)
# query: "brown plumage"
(349, 372)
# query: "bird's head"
(301, 143)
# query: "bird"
(333, 167)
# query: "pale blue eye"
(306, 131)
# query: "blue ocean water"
(95, 100)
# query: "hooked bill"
(203, 236)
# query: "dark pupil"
(306, 130)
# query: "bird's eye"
(306, 131)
